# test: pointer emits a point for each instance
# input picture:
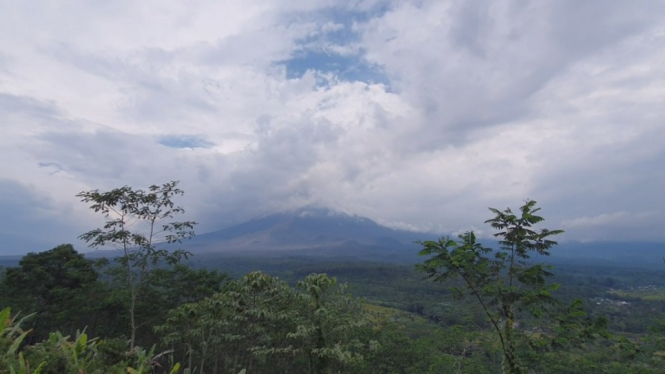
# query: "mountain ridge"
(323, 231)
(304, 228)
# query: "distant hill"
(611, 253)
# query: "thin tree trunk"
(189, 348)
(132, 308)
(511, 362)
(203, 355)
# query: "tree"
(138, 221)
(325, 329)
(181, 284)
(503, 281)
(58, 285)
(242, 327)
(260, 324)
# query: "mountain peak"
(303, 228)
(318, 212)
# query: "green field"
(644, 293)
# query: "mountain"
(649, 254)
(316, 230)
(325, 233)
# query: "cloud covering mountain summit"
(416, 114)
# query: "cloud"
(417, 114)
(28, 220)
(627, 225)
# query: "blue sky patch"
(334, 48)
(175, 141)
(347, 68)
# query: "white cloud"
(481, 104)
(621, 225)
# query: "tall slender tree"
(503, 281)
(137, 222)
(328, 320)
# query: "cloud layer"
(417, 114)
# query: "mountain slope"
(324, 232)
(307, 228)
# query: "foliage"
(504, 282)
(440, 334)
(328, 317)
(59, 285)
(221, 330)
(168, 288)
(259, 323)
(138, 221)
(449, 350)
(11, 337)
(65, 355)
(499, 311)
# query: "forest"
(463, 308)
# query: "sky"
(417, 114)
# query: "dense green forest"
(464, 308)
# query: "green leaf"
(175, 368)
(5, 317)
(17, 342)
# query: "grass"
(412, 324)
(380, 313)
(652, 294)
